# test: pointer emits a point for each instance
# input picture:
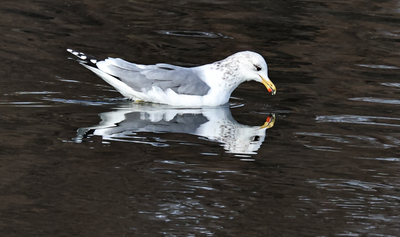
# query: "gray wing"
(144, 77)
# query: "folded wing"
(143, 78)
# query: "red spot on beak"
(268, 119)
(269, 89)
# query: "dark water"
(329, 165)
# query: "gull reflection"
(214, 123)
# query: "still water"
(320, 158)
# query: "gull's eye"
(258, 68)
(256, 138)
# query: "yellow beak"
(270, 86)
(270, 122)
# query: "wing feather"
(165, 76)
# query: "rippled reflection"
(215, 124)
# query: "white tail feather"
(124, 89)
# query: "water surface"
(327, 167)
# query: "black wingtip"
(84, 58)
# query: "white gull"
(206, 85)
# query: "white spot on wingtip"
(75, 53)
(83, 57)
(70, 50)
(94, 61)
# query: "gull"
(206, 85)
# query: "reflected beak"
(269, 123)
(270, 86)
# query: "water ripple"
(391, 84)
(357, 119)
(36, 92)
(23, 104)
(80, 102)
(349, 140)
(193, 33)
(377, 100)
(378, 66)
(394, 159)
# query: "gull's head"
(252, 67)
